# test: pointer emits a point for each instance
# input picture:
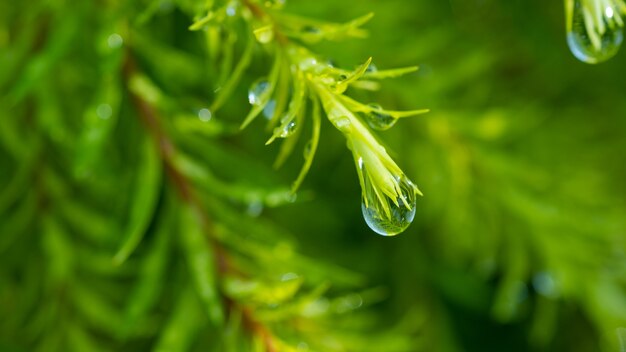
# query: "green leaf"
(58, 248)
(17, 222)
(265, 97)
(16, 187)
(229, 86)
(314, 31)
(202, 262)
(153, 269)
(356, 106)
(297, 107)
(342, 85)
(183, 326)
(311, 148)
(143, 206)
(391, 73)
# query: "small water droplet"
(287, 130)
(255, 208)
(310, 33)
(257, 90)
(316, 308)
(231, 9)
(379, 120)
(343, 124)
(348, 303)
(308, 29)
(268, 110)
(371, 68)
(115, 41)
(104, 111)
(264, 34)
(307, 63)
(544, 283)
(595, 34)
(308, 147)
(166, 6)
(289, 276)
(393, 216)
(204, 115)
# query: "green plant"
(135, 210)
(135, 214)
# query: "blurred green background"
(519, 243)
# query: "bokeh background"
(519, 243)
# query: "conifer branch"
(167, 150)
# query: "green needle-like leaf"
(148, 184)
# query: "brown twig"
(150, 118)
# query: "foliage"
(135, 214)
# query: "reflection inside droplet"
(595, 34)
(379, 120)
(288, 129)
(386, 216)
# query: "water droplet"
(231, 9)
(393, 216)
(286, 130)
(115, 41)
(544, 283)
(289, 276)
(268, 110)
(310, 33)
(104, 111)
(343, 124)
(257, 90)
(310, 30)
(166, 6)
(371, 68)
(316, 308)
(378, 120)
(205, 115)
(307, 63)
(264, 34)
(274, 4)
(595, 33)
(255, 208)
(307, 149)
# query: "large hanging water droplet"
(389, 217)
(595, 33)
(379, 120)
(257, 90)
